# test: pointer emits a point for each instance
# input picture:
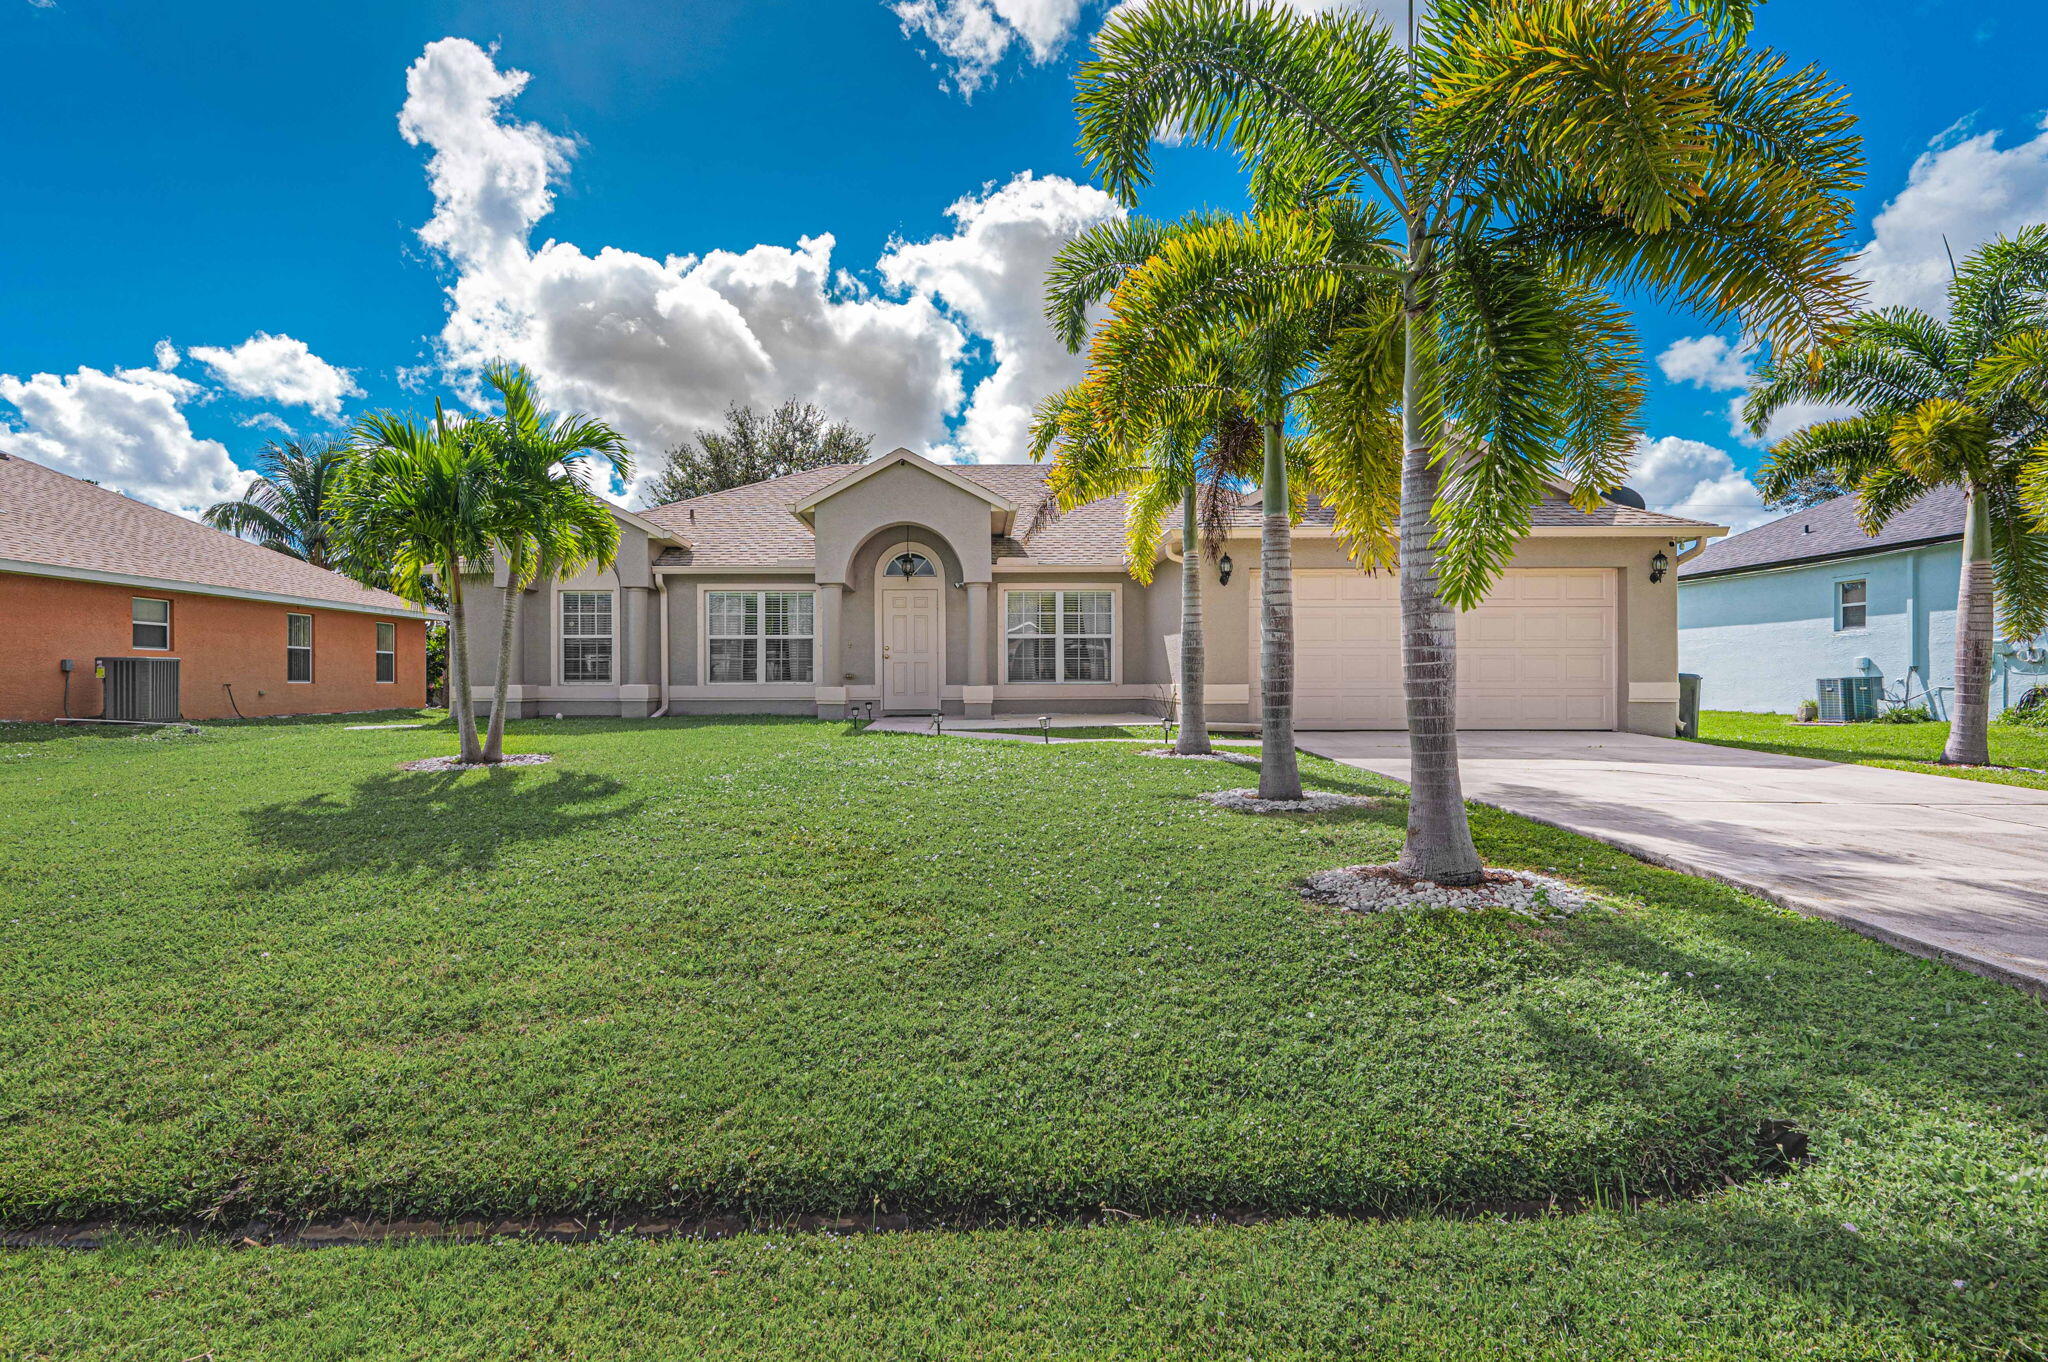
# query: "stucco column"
(978, 696)
(830, 672)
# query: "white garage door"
(1538, 653)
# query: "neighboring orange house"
(180, 616)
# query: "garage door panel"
(1538, 653)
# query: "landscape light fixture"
(1659, 565)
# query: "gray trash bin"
(1688, 705)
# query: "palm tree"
(1173, 462)
(284, 508)
(1241, 381)
(416, 497)
(541, 512)
(1179, 464)
(1955, 403)
(1525, 159)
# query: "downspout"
(661, 604)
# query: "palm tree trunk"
(1969, 740)
(1193, 740)
(494, 742)
(1279, 773)
(1439, 845)
(458, 670)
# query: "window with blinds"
(387, 652)
(298, 648)
(1052, 636)
(760, 636)
(586, 637)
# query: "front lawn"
(772, 965)
(1113, 732)
(1903, 747)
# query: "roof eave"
(1779, 564)
(31, 569)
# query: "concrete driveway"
(1954, 869)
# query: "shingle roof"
(755, 525)
(1831, 530)
(1553, 512)
(51, 520)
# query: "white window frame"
(1842, 584)
(381, 652)
(290, 647)
(1060, 634)
(705, 637)
(164, 624)
(563, 636)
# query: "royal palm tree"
(1524, 159)
(541, 513)
(1955, 403)
(417, 497)
(284, 508)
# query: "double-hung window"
(150, 623)
(759, 636)
(1059, 635)
(586, 638)
(1852, 604)
(298, 647)
(387, 652)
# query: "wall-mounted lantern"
(1223, 570)
(1659, 565)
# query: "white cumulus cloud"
(276, 369)
(970, 38)
(660, 346)
(125, 430)
(1965, 191)
(990, 275)
(1709, 362)
(1694, 479)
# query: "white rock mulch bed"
(1383, 889)
(1241, 758)
(458, 764)
(1319, 801)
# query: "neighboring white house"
(1765, 614)
(908, 586)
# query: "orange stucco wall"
(218, 641)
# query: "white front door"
(910, 649)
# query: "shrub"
(1905, 714)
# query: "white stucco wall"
(1759, 640)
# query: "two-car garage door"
(1539, 652)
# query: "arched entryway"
(910, 628)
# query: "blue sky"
(223, 220)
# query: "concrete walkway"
(1952, 869)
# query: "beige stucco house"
(917, 587)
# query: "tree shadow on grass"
(403, 822)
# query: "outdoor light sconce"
(1659, 565)
(1223, 570)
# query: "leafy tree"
(417, 497)
(541, 513)
(284, 508)
(1802, 493)
(793, 437)
(1956, 403)
(1502, 173)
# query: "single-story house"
(1764, 615)
(113, 609)
(916, 587)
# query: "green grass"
(1115, 731)
(778, 965)
(1902, 747)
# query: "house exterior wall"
(858, 527)
(1759, 640)
(219, 641)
